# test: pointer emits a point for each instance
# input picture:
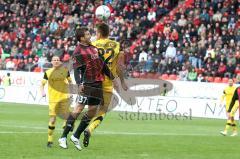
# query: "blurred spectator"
(149, 64)
(143, 56)
(230, 70)
(10, 65)
(171, 51)
(30, 65)
(183, 74)
(192, 75)
(200, 78)
(21, 65)
(141, 67)
(221, 70)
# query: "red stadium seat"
(217, 80)
(8, 59)
(150, 75)
(225, 80)
(37, 69)
(164, 77)
(135, 74)
(143, 75)
(209, 79)
(172, 77)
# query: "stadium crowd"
(191, 42)
(31, 32)
(202, 39)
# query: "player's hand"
(80, 88)
(43, 94)
(124, 85)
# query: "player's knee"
(101, 113)
(78, 109)
(52, 120)
(86, 118)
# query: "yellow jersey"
(58, 80)
(228, 94)
(109, 50)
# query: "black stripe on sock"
(99, 118)
(233, 124)
(51, 127)
(229, 124)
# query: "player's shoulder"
(49, 70)
(113, 43)
(64, 69)
(106, 43)
(235, 87)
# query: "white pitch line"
(26, 127)
(98, 132)
(22, 132)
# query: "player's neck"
(84, 43)
(56, 67)
(103, 38)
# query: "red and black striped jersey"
(86, 56)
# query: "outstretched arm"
(43, 83)
(120, 69)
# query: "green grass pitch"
(23, 135)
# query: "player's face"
(98, 35)
(87, 37)
(230, 82)
(56, 61)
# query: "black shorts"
(92, 94)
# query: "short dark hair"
(103, 28)
(80, 32)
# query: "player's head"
(102, 31)
(83, 35)
(56, 62)
(230, 82)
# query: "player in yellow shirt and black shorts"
(109, 50)
(58, 79)
(227, 95)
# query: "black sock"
(82, 126)
(69, 125)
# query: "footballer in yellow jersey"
(58, 79)
(109, 50)
(227, 95)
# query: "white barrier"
(186, 98)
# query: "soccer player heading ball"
(89, 71)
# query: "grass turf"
(23, 135)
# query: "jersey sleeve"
(223, 96)
(78, 59)
(94, 43)
(234, 98)
(69, 77)
(45, 78)
(117, 48)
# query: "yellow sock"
(64, 123)
(51, 128)
(94, 124)
(234, 126)
(228, 124)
